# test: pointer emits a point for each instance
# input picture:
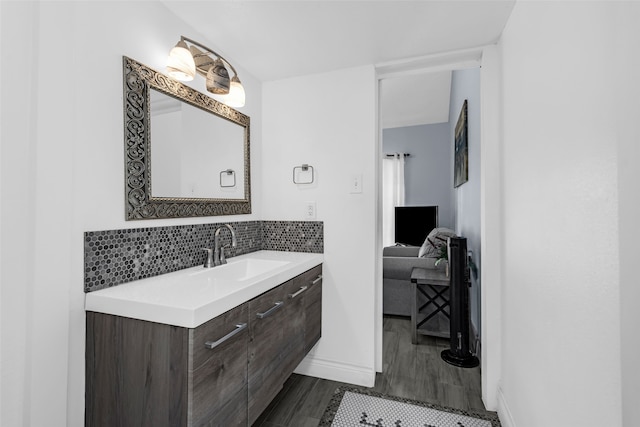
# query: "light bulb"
(236, 97)
(180, 64)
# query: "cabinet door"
(303, 310)
(293, 345)
(218, 370)
(313, 308)
(266, 333)
(136, 373)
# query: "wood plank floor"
(410, 371)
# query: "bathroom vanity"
(201, 346)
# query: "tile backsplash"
(114, 257)
(292, 236)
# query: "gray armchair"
(397, 263)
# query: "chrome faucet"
(218, 252)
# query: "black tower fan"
(458, 354)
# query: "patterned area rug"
(353, 407)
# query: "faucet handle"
(209, 262)
(223, 259)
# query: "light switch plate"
(355, 185)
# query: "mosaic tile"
(114, 257)
(293, 236)
(352, 406)
(359, 409)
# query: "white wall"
(561, 296)
(627, 90)
(62, 174)
(465, 85)
(36, 236)
(329, 121)
(428, 169)
(491, 224)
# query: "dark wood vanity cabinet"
(225, 372)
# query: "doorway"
(486, 305)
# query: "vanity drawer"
(313, 309)
(266, 337)
(217, 375)
(299, 291)
(219, 329)
(293, 345)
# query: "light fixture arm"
(211, 51)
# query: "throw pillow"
(436, 238)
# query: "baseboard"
(336, 371)
(503, 411)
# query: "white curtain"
(392, 194)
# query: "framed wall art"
(461, 154)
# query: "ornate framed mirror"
(177, 142)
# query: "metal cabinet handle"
(237, 330)
(301, 290)
(270, 311)
(317, 280)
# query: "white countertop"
(193, 296)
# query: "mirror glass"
(192, 154)
(186, 154)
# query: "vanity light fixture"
(189, 57)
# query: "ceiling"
(274, 40)
(415, 100)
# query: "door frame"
(489, 61)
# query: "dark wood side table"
(429, 315)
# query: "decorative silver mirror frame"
(139, 204)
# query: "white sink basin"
(241, 270)
(192, 296)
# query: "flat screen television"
(413, 223)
